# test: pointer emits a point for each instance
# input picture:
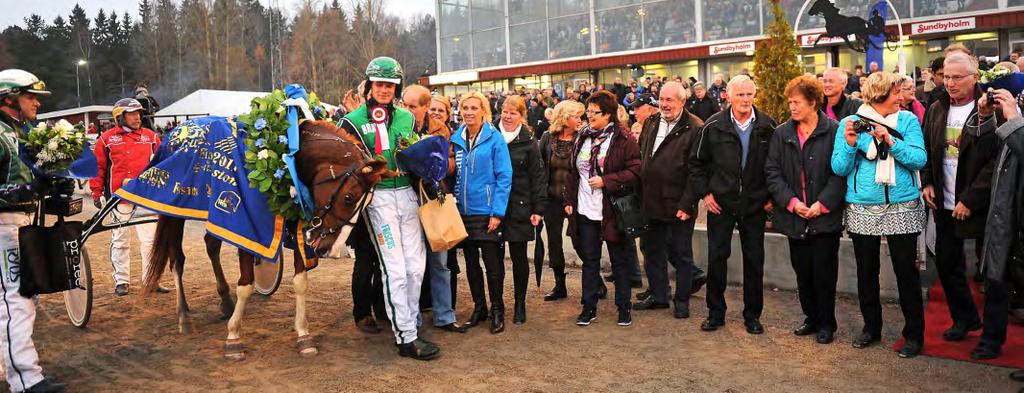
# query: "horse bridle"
(317, 221)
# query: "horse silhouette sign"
(855, 31)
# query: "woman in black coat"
(526, 200)
(800, 178)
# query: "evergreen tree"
(775, 64)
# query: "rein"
(316, 223)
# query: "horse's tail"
(166, 245)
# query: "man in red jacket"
(122, 153)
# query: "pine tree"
(775, 64)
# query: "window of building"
(730, 19)
(945, 7)
(454, 53)
(522, 11)
(489, 48)
(558, 8)
(730, 67)
(569, 36)
(488, 14)
(618, 29)
(454, 17)
(669, 23)
(529, 42)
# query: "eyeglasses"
(954, 78)
(591, 113)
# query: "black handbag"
(50, 257)
(629, 215)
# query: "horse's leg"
(233, 345)
(307, 347)
(184, 322)
(227, 306)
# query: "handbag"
(50, 257)
(441, 221)
(629, 215)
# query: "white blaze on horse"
(341, 178)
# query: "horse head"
(823, 7)
(341, 177)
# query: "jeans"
(664, 243)
(903, 252)
(440, 288)
(815, 261)
(751, 229)
(588, 246)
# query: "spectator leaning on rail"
(837, 104)
(122, 153)
(957, 180)
(801, 181)
(666, 138)
(484, 179)
(727, 172)
(605, 164)
(883, 200)
(1004, 226)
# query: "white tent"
(209, 102)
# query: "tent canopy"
(211, 102)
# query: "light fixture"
(82, 62)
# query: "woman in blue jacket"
(882, 197)
(483, 182)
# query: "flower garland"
(266, 143)
(54, 148)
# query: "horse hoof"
(184, 328)
(307, 347)
(233, 349)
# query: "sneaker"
(625, 318)
(121, 289)
(586, 317)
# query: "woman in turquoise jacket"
(483, 182)
(883, 199)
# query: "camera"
(991, 97)
(862, 125)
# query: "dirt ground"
(132, 344)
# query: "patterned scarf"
(597, 138)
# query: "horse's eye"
(348, 199)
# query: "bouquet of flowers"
(266, 144)
(54, 148)
(1001, 78)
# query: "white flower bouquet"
(54, 147)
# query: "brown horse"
(341, 178)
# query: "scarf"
(510, 135)
(597, 138)
(885, 165)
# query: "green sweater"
(402, 124)
(13, 172)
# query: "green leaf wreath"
(266, 144)
(54, 147)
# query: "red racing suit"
(122, 154)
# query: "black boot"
(559, 292)
(479, 315)
(497, 319)
(519, 317)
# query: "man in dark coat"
(665, 139)
(1004, 228)
(837, 105)
(727, 172)
(701, 104)
(619, 90)
(957, 184)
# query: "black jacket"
(791, 171)
(529, 192)
(703, 109)
(663, 173)
(1003, 229)
(715, 164)
(973, 183)
(845, 107)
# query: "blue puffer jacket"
(483, 173)
(861, 187)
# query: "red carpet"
(937, 320)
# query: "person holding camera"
(19, 103)
(879, 149)
(957, 184)
(1004, 227)
(122, 153)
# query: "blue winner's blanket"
(199, 173)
